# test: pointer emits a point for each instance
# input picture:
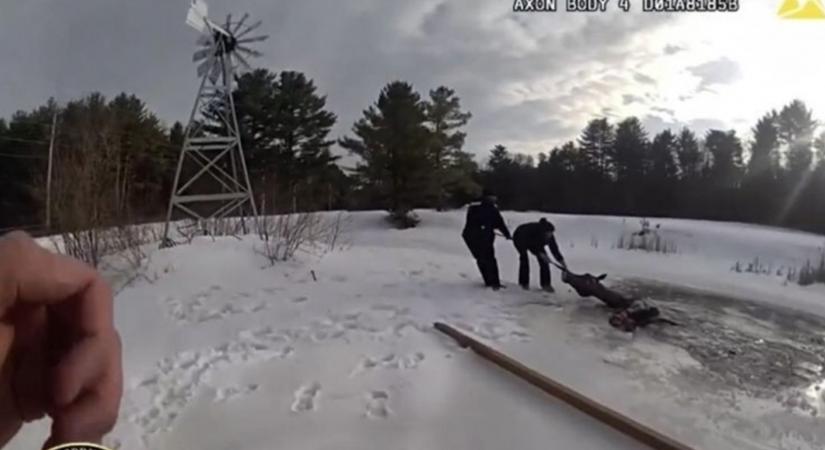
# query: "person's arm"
(554, 249)
(501, 226)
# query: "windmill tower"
(212, 181)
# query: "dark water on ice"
(762, 349)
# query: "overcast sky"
(531, 80)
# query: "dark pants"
(524, 266)
(481, 246)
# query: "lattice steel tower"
(212, 180)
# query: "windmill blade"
(250, 29)
(213, 27)
(248, 51)
(204, 67)
(240, 23)
(216, 73)
(205, 39)
(228, 22)
(254, 39)
(202, 53)
(243, 61)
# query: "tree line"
(115, 160)
(776, 178)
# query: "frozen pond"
(762, 349)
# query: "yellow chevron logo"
(802, 9)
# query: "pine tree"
(392, 141)
(764, 160)
(177, 135)
(796, 131)
(141, 161)
(301, 127)
(500, 158)
(499, 175)
(285, 130)
(689, 155)
(761, 183)
(816, 201)
(24, 144)
(460, 184)
(661, 176)
(445, 120)
(726, 151)
(256, 108)
(819, 146)
(629, 149)
(595, 143)
(629, 158)
(663, 156)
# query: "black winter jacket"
(534, 236)
(483, 219)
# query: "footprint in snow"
(227, 394)
(391, 361)
(377, 405)
(306, 397)
(258, 308)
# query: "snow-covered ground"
(224, 351)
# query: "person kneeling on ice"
(483, 219)
(532, 237)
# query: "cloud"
(673, 49)
(530, 80)
(644, 79)
(628, 99)
(655, 125)
(666, 111)
(702, 126)
(718, 72)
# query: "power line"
(19, 156)
(7, 138)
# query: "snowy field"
(223, 351)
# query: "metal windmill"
(212, 180)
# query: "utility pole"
(49, 173)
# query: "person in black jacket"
(532, 237)
(483, 219)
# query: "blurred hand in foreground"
(60, 355)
